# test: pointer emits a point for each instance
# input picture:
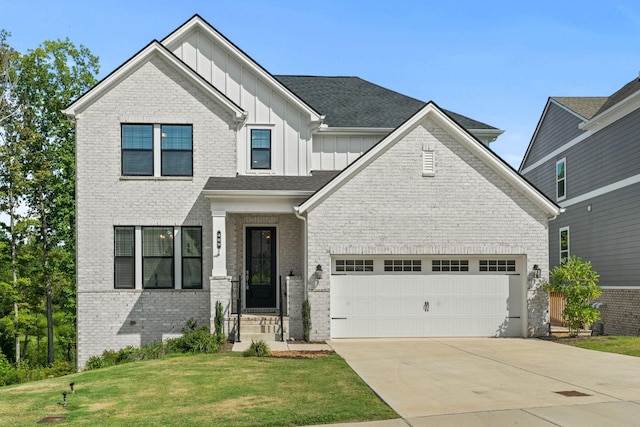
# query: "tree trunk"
(47, 275)
(14, 267)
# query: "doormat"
(572, 393)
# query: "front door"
(261, 267)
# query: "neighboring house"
(197, 169)
(585, 155)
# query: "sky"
(494, 61)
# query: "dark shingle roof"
(586, 106)
(312, 183)
(627, 90)
(354, 102)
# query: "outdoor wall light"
(219, 239)
(537, 271)
(319, 272)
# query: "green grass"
(217, 389)
(613, 344)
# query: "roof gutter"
(305, 256)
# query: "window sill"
(156, 178)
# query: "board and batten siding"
(266, 108)
(559, 127)
(336, 152)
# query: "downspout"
(296, 210)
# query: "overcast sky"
(493, 61)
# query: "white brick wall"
(154, 93)
(389, 207)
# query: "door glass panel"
(261, 257)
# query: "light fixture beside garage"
(319, 272)
(537, 271)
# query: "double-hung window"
(157, 257)
(124, 266)
(191, 257)
(177, 150)
(561, 179)
(260, 149)
(137, 150)
(157, 150)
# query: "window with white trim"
(561, 179)
(564, 243)
(260, 149)
(507, 265)
(402, 265)
(438, 265)
(157, 257)
(351, 265)
(191, 257)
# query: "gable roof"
(142, 57)
(624, 92)
(196, 22)
(432, 111)
(584, 106)
(355, 102)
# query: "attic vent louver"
(428, 163)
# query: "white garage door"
(426, 305)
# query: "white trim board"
(601, 191)
(557, 151)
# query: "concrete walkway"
(283, 346)
(495, 382)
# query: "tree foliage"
(37, 193)
(576, 280)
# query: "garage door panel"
(425, 305)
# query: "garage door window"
(349, 265)
(402, 265)
(449, 265)
(507, 265)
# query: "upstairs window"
(177, 150)
(157, 150)
(561, 179)
(260, 149)
(137, 150)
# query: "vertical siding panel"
(233, 80)
(278, 111)
(204, 58)
(342, 152)
(248, 90)
(189, 51)
(316, 152)
(219, 58)
(262, 103)
(327, 156)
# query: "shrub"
(8, 374)
(198, 340)
(578, 282)
(257, 349)
(306, 320)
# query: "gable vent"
(428, 163)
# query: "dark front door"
(261, 267)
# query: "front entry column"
(219, 243)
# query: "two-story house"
(202, 178)
(585, 155)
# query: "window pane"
(177, 163)
(191, 241)
(137, 162)
(124, 273)
(158, 273)
(176, 137)
(192, 273)
(561, 188)
(157, 241)
(137, 137)
(260, 149)
(564, 240)
(560, 170)
(124, 241)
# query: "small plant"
(306, 320)
(578, 282)
(218, 323)
(257, 349)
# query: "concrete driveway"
(497, 381)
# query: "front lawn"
(220, 389)
(611, 344)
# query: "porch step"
(265, 327)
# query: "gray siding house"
(201, 177)
(585, 156)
